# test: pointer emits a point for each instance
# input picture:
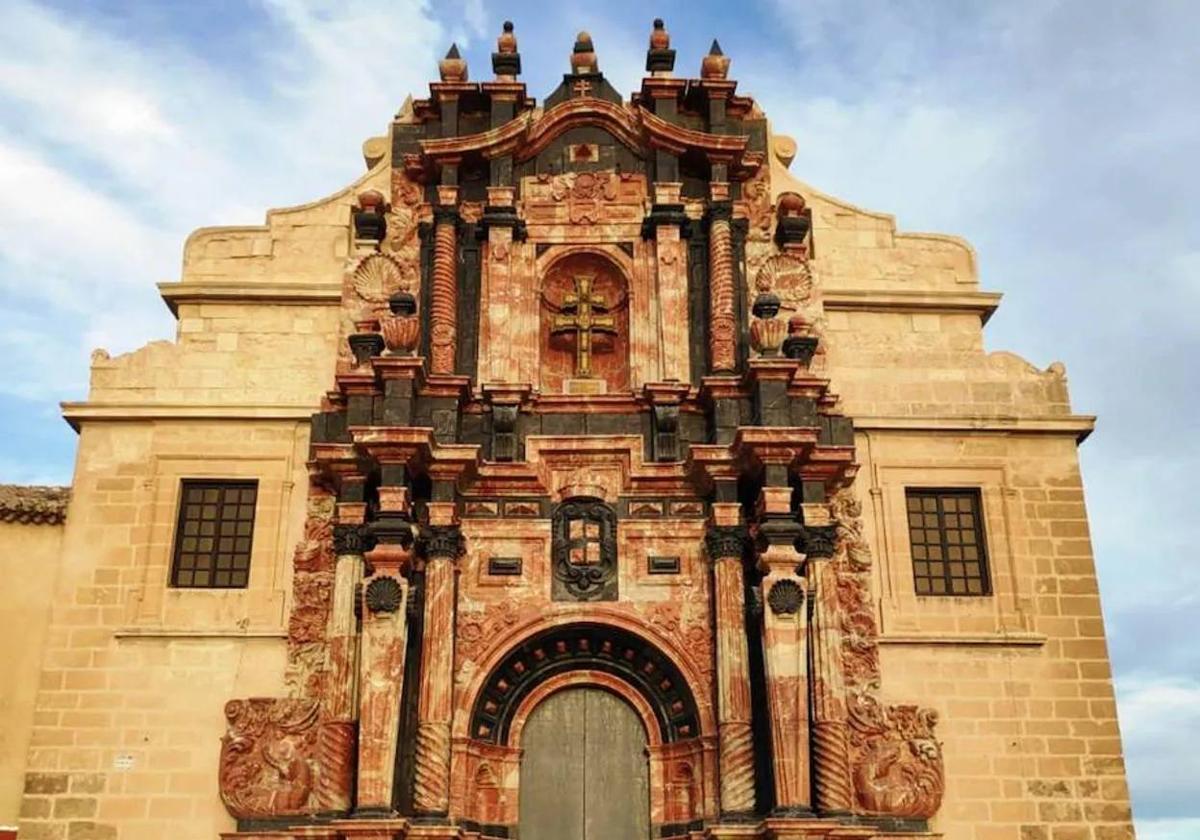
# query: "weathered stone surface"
(369, 665)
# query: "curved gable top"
(635, 127)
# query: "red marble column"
(785, 648)
(431, 792)
(381, 674)
(336, 747)
(830, 747)
(443, 297)
(725, 546)
(786, 666)
(722, 322)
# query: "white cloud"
(125, 146)
(1157, 715)
(1167, 829)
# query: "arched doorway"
(584, 769)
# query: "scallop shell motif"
(376, 278)
(786, 276)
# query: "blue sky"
(1061, 138)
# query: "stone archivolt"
(411, 663)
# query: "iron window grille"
(214, 534)
(949, 552)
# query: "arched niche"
(584, 324)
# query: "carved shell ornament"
(377, 277)
(787, 276)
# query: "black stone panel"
(771, 403)
(803, 412)
(698, 302)
(406, 140)
(467, 353)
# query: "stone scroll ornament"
(312, 593)
(896, 761)
(268, 759)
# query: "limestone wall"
(1020, 679)
(29, 562)
(129, 703)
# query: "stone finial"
(453, 68)
(799, 344)
(793, 219)
(402, 330)
(506, 61)
(507, 42)
(583, 57)
(716, 64)
(369, 220)
(660, 39)
(660, 58)
(790, 204)
(766, 331)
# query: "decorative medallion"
(585, 551)
(785, 597)
(384, 595)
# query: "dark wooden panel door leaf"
(584, 770)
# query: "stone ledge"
(77, 412)
(162, 632)
(965, 639)
(1079, 425)
(174, 294)
(883, 300)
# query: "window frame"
(212, 568)
(940, 494)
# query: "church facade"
(576, 473)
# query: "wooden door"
(584, 770)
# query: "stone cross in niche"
(583, 87)
(585, 317)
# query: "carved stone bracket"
(897, 762)
(269, 757)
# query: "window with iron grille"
(214, 534)
(949, 555)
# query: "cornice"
(886, 300)
(1077, 425)
(310, 294)
(76, 413)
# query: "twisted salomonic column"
(443, 545)
(443, 299)
(830, 748)
(722, 324)
(725, 546)
(336, 745)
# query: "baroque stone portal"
(579, 439)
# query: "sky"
(1059, 136)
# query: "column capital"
(817, 541)
(442, 541)
(350, 539)
(726, 541)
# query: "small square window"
(214, 534)
(945, 530)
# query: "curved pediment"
(633, 126)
